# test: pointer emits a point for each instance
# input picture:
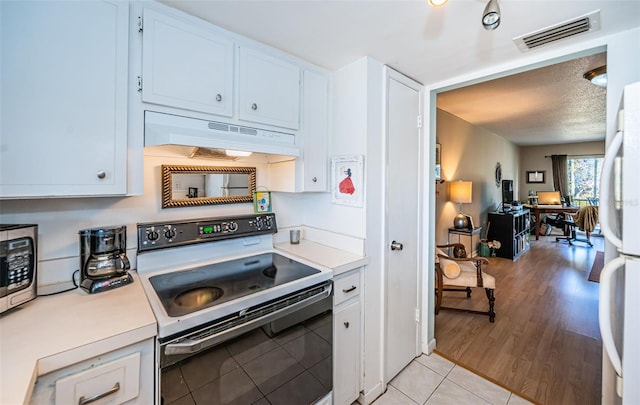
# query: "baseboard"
(372, 395)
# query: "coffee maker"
(103, 259)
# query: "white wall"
(532, 158)
(59, 220)
(471, 153)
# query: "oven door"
(243, 358)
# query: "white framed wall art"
(347, 183)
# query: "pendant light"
(491, 15)
(437, 3)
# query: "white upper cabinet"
(64, 98)
(315, 123)
(268, 89)
(186, 65)
(309, 172)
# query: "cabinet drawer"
(346, 287)
(115, 382)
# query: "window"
(584, 180)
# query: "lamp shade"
(460, 191)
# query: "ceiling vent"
(566, 29)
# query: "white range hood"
(166, 129)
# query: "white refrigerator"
(619, 311)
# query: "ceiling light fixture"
(437, 2)
(491, 15)
(237, 153)
(597, 76)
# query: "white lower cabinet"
(347, 327)
(124, 376)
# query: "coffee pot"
(103, 259)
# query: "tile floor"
(293, 367)
(434, 380)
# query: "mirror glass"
(188, 186)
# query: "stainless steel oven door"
(235, 358)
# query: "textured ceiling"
(554, 104)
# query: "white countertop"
(337, 260)
(53, 332)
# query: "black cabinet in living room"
(511, 229)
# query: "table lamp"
(460, 192)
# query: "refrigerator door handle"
(606, 182)
(604, 312)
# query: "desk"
(538, 211)
(469, 238)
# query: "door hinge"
(419, 121)
(140, 24)
(417, 315)
(139, 83)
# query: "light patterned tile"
(483, 388)
(393, 397)
(417, 381)
(436, 363)
(516, 400)
(450, 393)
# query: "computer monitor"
(507, 191)
(549, 198)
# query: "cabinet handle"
(315, 179)
(84, 401)
(346, 325)
(254, 106)
(218, 97)
(348, 290)
(101, 174)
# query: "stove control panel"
(161, 235)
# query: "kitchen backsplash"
(60, 219)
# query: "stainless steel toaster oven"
(18, 262)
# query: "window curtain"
(560, 174)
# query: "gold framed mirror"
(192, 186)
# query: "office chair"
(585, 219)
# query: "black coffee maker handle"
(126, 265)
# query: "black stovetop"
(186, 291)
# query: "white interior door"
(403, 222)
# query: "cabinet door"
(314, 132)
(269, 89)
(185, 65)
(346, 343)
(64, 98)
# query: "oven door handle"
(190, 346)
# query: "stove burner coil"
(198, 297)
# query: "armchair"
(461, 274)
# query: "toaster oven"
(18, 262)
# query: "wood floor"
(545, 343)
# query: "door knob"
(396, 245)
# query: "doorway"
(486, 192)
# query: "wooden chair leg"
(492, 299)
